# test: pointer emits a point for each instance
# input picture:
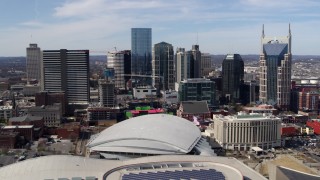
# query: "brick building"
(190, 109)
(27, 131)
(8, 139)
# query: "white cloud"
(222, 26)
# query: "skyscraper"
(106, 93)
(232, 74)
(68, 71)
(162, 66)
(196, 62)
(33, 62)
(182, 64)
(275, 70)
(141, 52)
(205, 64)
(121, 63)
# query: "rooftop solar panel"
(202, 174)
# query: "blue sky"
(222, 27)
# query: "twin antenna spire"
(263, 30)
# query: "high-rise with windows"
(196, 62)
(33, 62)
(162, 66)
(206, 64)
(275, 70)
(121, 63)
(232, 74)
(141, 53)
(68, 71)
(182, 64)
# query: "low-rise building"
(315, 124)
(170, 97)
(243, 131)
(6, 112)
(142, 92)
(261, 109)
(27, 131)
(191, 109)
(8, 139)
(51, 114)
(197, 89)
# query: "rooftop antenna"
(197, 39)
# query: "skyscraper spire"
(262, 31)
(289, 30)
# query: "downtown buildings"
(275, 70)
(67, 71)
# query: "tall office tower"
(141, 54)
(121, 63)
(68, 71)
(232, 74)
(33, 63)
(275, 70)
(163, 66)
(106, 93)
(182, 64)
(196, 62)
(206, 64)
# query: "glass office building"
(275, 70)
(141, 52)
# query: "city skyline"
(100, 25)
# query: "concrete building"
(33, 61)
(31, 89)
(95, 114)
(141, 54)
(106, 93)
(232, 75)
(45, 98)
(206, 64)
(6, 112)
(121, 63)
(198, 89)
(182, 64)
(163, 66)
(51, 114)
(67, 71)
(243, 131)
(142, 92)
(170, 97)
(275, 70)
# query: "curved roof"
(66, 166)
(148, 134)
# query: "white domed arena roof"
(148, 134)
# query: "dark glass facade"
(274, 53)
(141, 51)
(197, 89)
(232, 75)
